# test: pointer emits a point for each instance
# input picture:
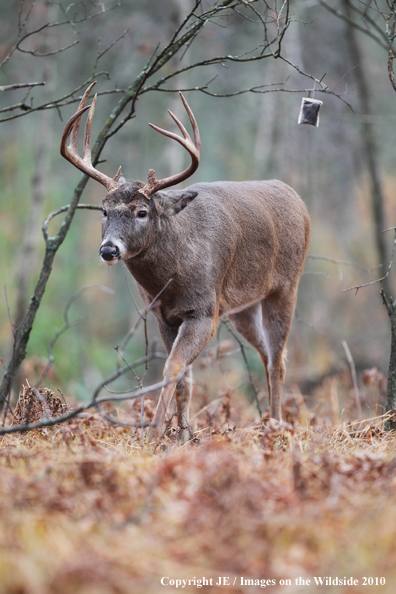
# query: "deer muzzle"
(109, 252)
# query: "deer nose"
(108, 252)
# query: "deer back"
(234, 243)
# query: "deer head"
(130, 217)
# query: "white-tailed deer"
(230, 248)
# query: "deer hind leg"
(277, 314)
(192, 337)
(249, 324)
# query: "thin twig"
(87, 405)
(382, 42)
(64, 209)
(66, 327)
(378, 280)
(9, 312)
(354, 377)
(230, 329)
(21, 86)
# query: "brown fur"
(230, 248)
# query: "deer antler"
(194, 148)
(70, 152)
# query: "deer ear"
(182, 201)
(171, 202)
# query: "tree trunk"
(370, 148)
(391, 390)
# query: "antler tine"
(197, 138)
(76, 129)
(186, 141)
(182, 128)
(67, 151)
(70, 152)
(87, 133)
(194, 148)
(189, 145)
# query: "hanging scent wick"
(309, 111)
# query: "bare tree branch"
(94, 402)
(339, 264)
(21, 86)
(382, 40)
(354, 377)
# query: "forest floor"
(85, 508)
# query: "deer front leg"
(192, 337)
(183, 395)
(183, 389)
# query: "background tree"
(377, 22)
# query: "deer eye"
(142, 213)
(104, 212)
